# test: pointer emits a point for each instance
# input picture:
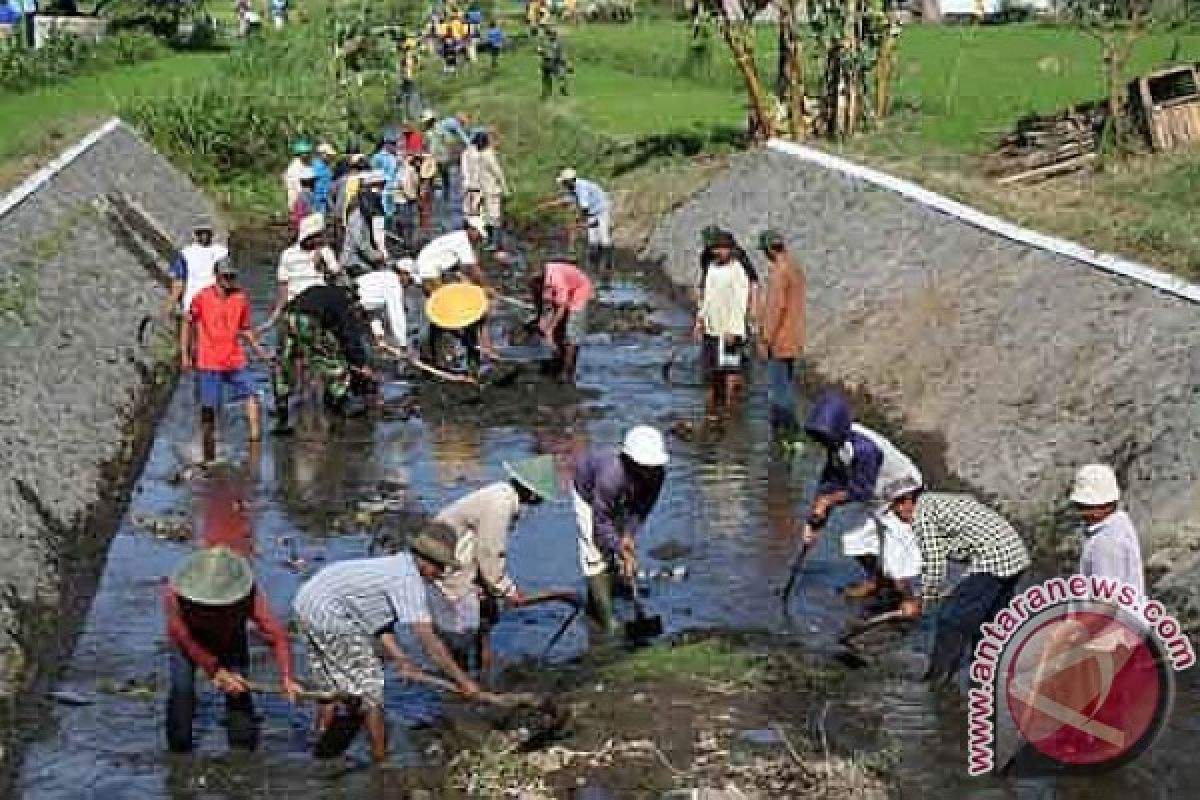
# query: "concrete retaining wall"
(77, 392)
(1028, 363)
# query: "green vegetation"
(706, 660)
(64, 56)
(36, 125)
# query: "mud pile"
(1028, 363)
(79, 394)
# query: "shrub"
(63, 56)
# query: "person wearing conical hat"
(483, 521)
(349, 611)
(208, 603)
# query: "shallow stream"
(726, 518)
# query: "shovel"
(642, 628)
(797, 569)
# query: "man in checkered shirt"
(959, 527)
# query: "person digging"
(482, 523)
(613, 494)
(561, 294)
(209, 602)
(350, 610)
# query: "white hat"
(1095, 485)
(476, 222)
(567, 175)
(326, 149)
(311, 226)
(408, 265)
(305, 173)
(428, 116)
(373, 177)
(901, 487)
(645, 446)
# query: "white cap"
(567, 175)
(405, 265)
(326, 149)
(305, 173)
(373, 177)
(1095, 485)
(428, 116)
(901, 487)
(476, 222)
(645, 446)
(311, 226)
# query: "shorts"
(575, 326)
(344, 663)
(599, 230)
(709, 355)
(214, 382)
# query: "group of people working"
(448, 587)
(456, 36)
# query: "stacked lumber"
(1043, 147)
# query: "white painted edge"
(1105, 261)
(43, 176)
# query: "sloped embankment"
(1027, 363)
(78, 393)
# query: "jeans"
(181, 706)
(781, 394)
(977, 600)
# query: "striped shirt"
(958, 526)
(364, 596)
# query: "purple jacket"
(831, 422)
(619, 502)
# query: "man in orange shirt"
(783, 332)
(561, 292)
(217, 321)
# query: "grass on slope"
(36, 125)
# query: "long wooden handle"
(305, 694)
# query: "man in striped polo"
(348, 608)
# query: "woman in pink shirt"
(561, 292)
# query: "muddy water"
(725, 518)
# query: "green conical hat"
(536, 474)
(214, 576)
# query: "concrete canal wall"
(1027, 362)
(78, 393)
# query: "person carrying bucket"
(614, 491)
(209, 602)
(469, 599)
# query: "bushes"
(64, 56)
(232, 133)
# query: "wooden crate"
(1170, 104)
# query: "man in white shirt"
(302, 157)
(305, 264)
(1111, 548)
(192, 270)
(456, 247)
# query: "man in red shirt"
(208, 602)
(218, 319)
(561, 292)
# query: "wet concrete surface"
(726, 516)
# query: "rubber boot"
(208, 434)
(600, 602)
(282, 426)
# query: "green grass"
(707, 660)
(35, 124)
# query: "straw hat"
(437, 542)
(214, 576)
(535, 474)
(456, 306)
(567, 175)
(326, 149)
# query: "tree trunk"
(792, 91)
(739, 37)
(885, 70)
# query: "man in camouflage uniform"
(554, 64)
(324, 328)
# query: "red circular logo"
(1086, 689)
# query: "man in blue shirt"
(593, 205)
(454, 137)
(323, 177)
(495, 42)
(387, 161)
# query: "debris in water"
(669, 551)
(142, 689)
(66, 697)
